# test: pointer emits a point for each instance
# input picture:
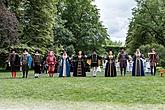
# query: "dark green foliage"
(147, 24)
(159, 49)
(51, 25)
(80, 20)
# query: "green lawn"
(119, 90)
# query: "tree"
(160, 49)
(8, 27)
(147, 25)
(39, 23)
(8, 30)
(81, 20)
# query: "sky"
(115, 15)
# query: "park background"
(75, 25)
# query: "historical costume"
(138, 68)
(37, 63)
(110, 70)
(129, 64)
(26, 61)
(64, 66)
(153, 56)
(14, 63)
(51, 61)
(147, 66)
(122, 58)
(79, 65)
(95, 61)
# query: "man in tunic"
(26, 61)
(37, 61)
(95, 62)
(122, 58)
(14, 62)
(153, 56)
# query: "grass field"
(119, 91)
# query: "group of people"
(80, 63)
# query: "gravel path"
(18, 105)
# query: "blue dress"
(64, 68)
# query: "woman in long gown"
(138, 69)
(79, 65)
(51, 61)
(110, 70)
(64, 66)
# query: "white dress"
(64, 66)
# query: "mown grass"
(127, 90)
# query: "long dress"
(110, 70)
(79, 67)
(64, 67)
(37, 61)
(138, 69)
(51, 61)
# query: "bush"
(160, 49)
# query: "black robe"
(110, 70)
(79, 67)
(14, 60)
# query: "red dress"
(51, 61)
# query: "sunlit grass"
(130, 90)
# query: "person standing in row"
(79, 65)
(123, 58)
(14, 62)
(37, 63)
(138, 69)
(95, 62)
(26, 61)
(64, 65)
(51, 61)
(110, 70)
(153, 56)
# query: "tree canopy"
(147, 24)
(51, 24)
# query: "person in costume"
(37, 63)
(95, 61)
(51, 62)
(129, 64)
(110, 70)
(147, 66)
(123, 58)
(138, 68)
(64, 66)
(14, 63)
(25, 61)
(79, 65)
(154, 57)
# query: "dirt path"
(11, 105)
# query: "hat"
(25, 49)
